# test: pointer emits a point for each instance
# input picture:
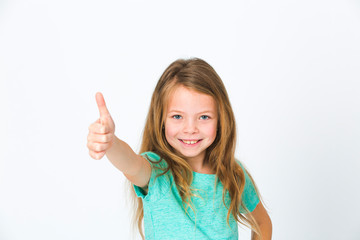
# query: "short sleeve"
(157, 186)
(249, 195)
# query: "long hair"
(199, 76)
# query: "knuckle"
(102, 129)
(92, 155)
(94, 128)
(106, 138)
(99, 155)
(97, 138)
(97, 147)
(91, 127)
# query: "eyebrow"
(178, 111)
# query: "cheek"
(214, 133)
(170, 131)
(212, 130)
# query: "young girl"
(188, 183)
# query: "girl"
(188, 183)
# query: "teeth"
(190, 142)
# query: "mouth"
(190, 142)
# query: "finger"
(103, 138)
(96, 155)
(98, 128)
(98, 147)
(99, 155)
(104, 113)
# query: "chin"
(192, 155)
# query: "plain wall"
(291, 68)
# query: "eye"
(176, 117)
(204, 117)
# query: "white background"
(291, 68)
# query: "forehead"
(185, 99)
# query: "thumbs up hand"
(102, 132)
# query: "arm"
(135, 168)
(263, 220)
(102, 140)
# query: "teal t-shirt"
(165, 217)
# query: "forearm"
(122, 157)
(266, 232)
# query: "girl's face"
(191, 122)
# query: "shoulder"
(241, 165)
(159, 179)
(246, 173)
(151, 155)
(154, 159)
(250, 196)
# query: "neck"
(199, 165)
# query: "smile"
(190, 142)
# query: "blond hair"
(197, 75)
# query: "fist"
(101, 133)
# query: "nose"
(190, 126)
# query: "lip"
(190, 145)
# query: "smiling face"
(191, 122)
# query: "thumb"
(104, 112)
